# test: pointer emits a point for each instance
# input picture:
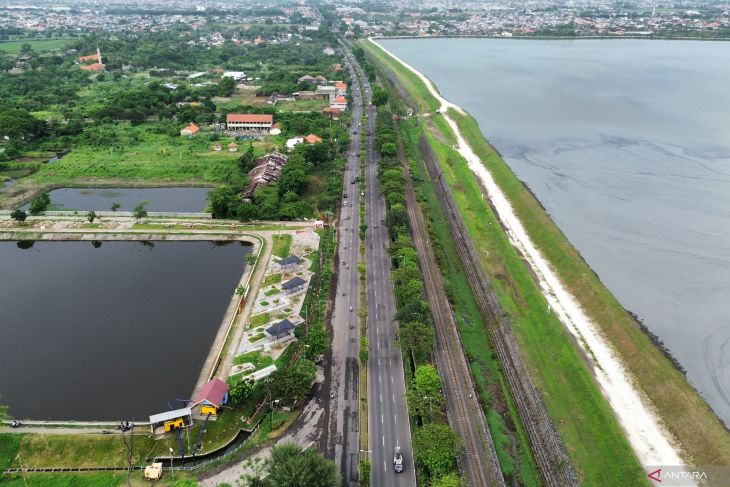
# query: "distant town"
(502, 18)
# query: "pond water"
(627, 145)
(102, 199)
(107, 332)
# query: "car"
(352, 181)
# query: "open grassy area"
(56, 450)
(105, 479)
(282, 245)
(271, 279)
(302, 105)
(14, 47)
(141, 156)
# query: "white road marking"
(381, 419)
(384, 442)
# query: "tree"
(226, 86)
(247, 161)
(450, 480)
(291, 466)
(380, 96)
(140, 211)
(3, 413)
(91, 216)
(19, 215)
(365, 468)
(116, 206)
(436, 446)
(388, 149)
(425, 395)
(293, 384)
(223, 202)
(239, 391)
(39, 203)
(416, 337)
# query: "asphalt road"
(344, 434)
(388, 418)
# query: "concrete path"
(306, 431)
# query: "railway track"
(478, 461)
(550, 455)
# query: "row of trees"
(435, 444)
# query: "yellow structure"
(205, 409)
(171, 420)
(174, 424)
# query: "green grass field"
(58, 450)
(14, 47)
(282, 245)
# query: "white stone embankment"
(652, 443)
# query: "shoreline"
(644, 429)
(213, 360)
(9, 202)
(647, 37)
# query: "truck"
(397, 460)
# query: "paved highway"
(387, 412)
(344, 431)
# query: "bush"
(39, 204)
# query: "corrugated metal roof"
(167, 416)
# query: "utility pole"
(172, 469)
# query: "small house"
(312, 139)
(171, 420)
(282, 328)
(294, 285)
(289, 262)
(275, 129)
(294, 141)
(210, 400)
(332, 113)
(232, 147)
(217, 147)
(339, 102)
(191, 129)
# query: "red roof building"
(249, 121)
(312, 139)
(191, 129)
(211, 398)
